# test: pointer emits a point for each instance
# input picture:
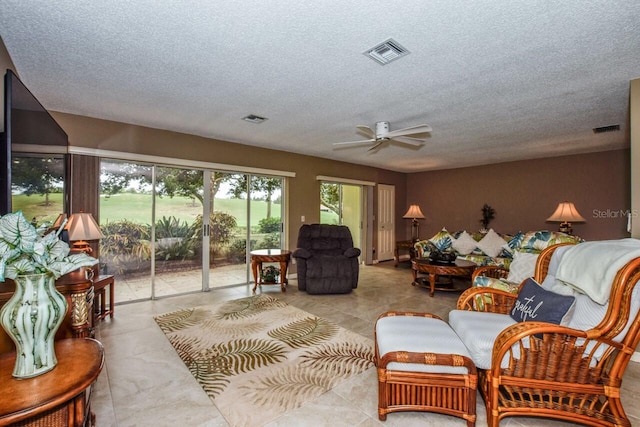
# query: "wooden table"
(99, 289)
(402, 245)
(280, 256)
(60, 397)
(461, 268)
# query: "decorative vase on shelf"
(31, 318)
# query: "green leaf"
(306, 332)
(18, 232)
(24, 251)
(341, 359)
(19, 267)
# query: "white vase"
(31, 318)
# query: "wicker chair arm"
(490, 271)
(486, 300)
(427, 359)
(408, 313)
(546, 348)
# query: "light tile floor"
(144, 382)
(172, 283)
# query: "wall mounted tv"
(31, 136)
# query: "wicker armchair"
(492, 271)
(546, 370)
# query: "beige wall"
(525, 193)
(304, 189)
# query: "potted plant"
(488, 214)
(36, 309)
(269, 274)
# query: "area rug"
(258, 357)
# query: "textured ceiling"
(496, 80)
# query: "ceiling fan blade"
(363, 142)
(378, 144)
(408, 140)
(366, 131)
(409, 131)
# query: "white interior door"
(386, 222)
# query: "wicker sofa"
(490, 248)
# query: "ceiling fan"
(382, 135)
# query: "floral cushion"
(482, 260)
(536, 241)
(442, 240)
(492, 282)
(513, 243)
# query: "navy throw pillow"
(536, 304)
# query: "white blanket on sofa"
(590, 267)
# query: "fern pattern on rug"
(258, 357)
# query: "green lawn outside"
(137, 208)
(35, 206)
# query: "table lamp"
(82, 227)
(565, 214)
(415, 214)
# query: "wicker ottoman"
(423, 366)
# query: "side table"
(60, 397)
(99, 289)
(280, 256)
(404, 245)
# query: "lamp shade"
(82, 226)
(414, 212)
(60, 220)
(566, 212)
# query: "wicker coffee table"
(461, 268)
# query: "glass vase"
(31, 318)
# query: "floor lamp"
(414, 213)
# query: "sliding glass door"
(177, 224)
(342, 204)
(126, 216)
(157, 241)
(226, 235)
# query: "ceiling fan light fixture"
(387, 51)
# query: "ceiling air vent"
(252, 118)
(387, 51)
(611, 128)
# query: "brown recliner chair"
(326, 259)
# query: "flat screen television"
(29, 130)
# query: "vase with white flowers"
(33, 314)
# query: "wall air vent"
(387, 51)
(611, 128)
(252, 118)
